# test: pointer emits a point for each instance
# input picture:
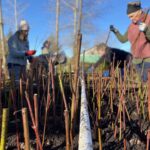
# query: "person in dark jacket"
(46, 46)
(138, 34)
(19, 52)
(112, 57)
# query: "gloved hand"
(30, 59)
(113, 29)
(142, 26)
(30, 52)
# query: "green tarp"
(89, 58)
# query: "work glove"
(113, 29)
(142, 26)
(30, 59)
(30, 52)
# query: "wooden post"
(4, 128)
(99, 112)
(75, 87)
(26, 128)
(36, 108)
(66, 114)
(0, 95)
(149, 95)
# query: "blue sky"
(42, 22)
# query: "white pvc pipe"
(85, 137)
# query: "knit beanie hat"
(133, 7)
(23, 25)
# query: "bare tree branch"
(14, 10)
(69, 5)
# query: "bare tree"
(15, 9)
(57, 22)
(70, 19)
(75, 8)
(89, 11)
(2, 39)
(15, 14)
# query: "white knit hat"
(23, 25)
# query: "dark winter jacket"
(17, 49)
(116, 57)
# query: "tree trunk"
(75, 27)
(80, 16)
(57, 23)
(3, 44)
(15, 14)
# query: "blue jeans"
(16, 70)
(143, 69)
(106, 73)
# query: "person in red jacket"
(138, 34)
